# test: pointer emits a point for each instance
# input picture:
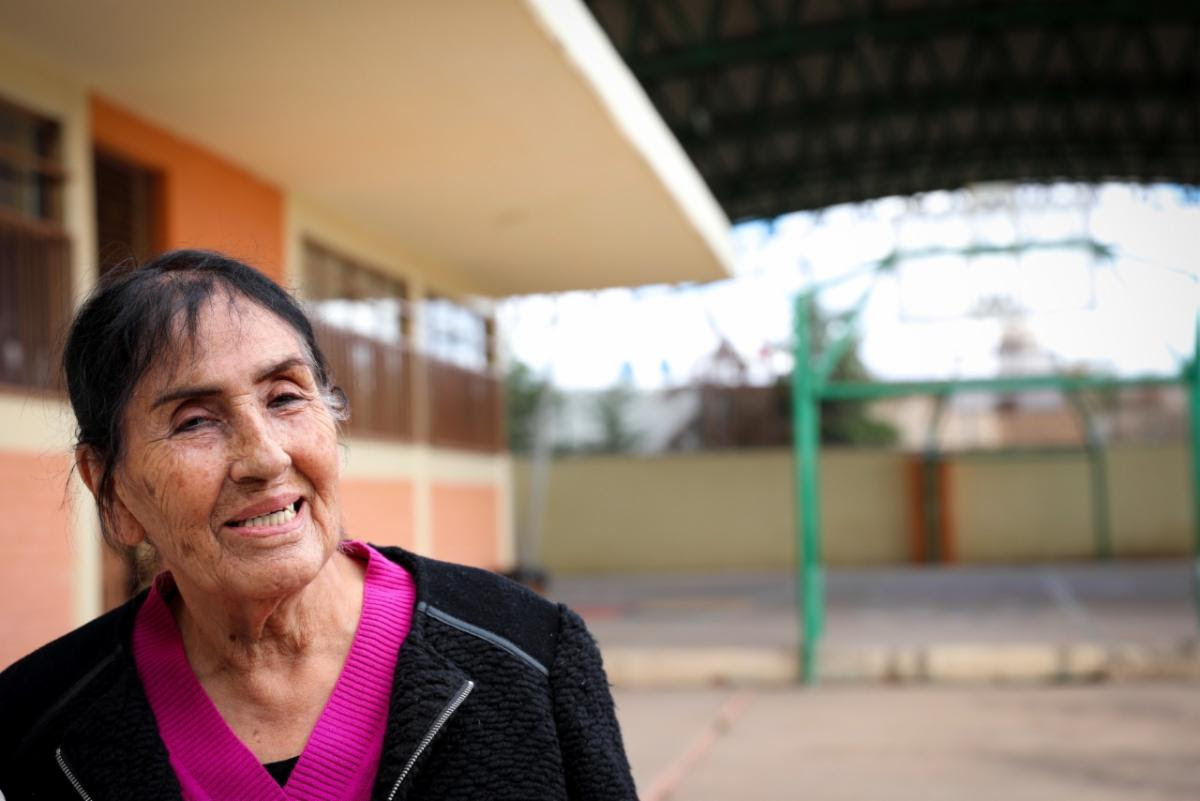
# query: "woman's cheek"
(148, 481)
(318, 447)
(185, 482)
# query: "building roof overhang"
(506, 142)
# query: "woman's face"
(231, 465)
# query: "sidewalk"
(1070, 621)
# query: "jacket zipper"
(438, 723)
(62, 764)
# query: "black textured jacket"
(498, 694)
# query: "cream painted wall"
(35, 423)
(1029, 509)
(864, 506)
(733, 510)
(718, 510)
(1014, 510)
(1151, 493)
(31, 423)
(619, 513)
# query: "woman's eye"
(286, 399)
(191, 423)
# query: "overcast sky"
(1134, 313)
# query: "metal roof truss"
(797, 104)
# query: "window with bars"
(127, 210)
(35, 264)
(31, 174)
(361, 321)
(349, 295)
(456, 334)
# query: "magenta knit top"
(342, 754)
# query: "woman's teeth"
(277, 518)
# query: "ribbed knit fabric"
(342, 754)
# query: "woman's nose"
(258, 453)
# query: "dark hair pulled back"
(135, 317)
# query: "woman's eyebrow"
(183, 393)
(281, 367)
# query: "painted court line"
(1062, 595)
(669, 779)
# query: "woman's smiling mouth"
(272, 521)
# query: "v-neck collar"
(343, 751)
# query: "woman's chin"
(276, 579)
(266, 567)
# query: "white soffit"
(503, 139)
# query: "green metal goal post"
(811, 384)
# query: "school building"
(399, 165)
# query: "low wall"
(734, 509)
(728, 509)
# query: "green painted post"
(805, 437)
(1194, 387)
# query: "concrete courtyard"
(1100, 742)
(963, 683)
(1055, 621)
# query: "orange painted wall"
(207, 202)
(378, 511)
(35, 555)
(464, 523)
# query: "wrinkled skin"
(230, 428)
(192, 464)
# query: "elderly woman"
(273, 657)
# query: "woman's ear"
(88, 465)
(123, 525)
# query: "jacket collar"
(424, 687)
(112, 748)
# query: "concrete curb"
(633, 667)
